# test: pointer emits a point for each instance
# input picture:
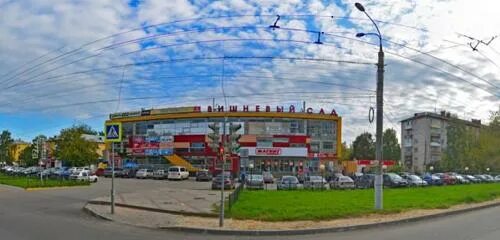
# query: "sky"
(71, 62)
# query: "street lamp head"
(431, 168)
(466, 168)
(360, 35)
(359, 7)
(487, 169)
(250, 165)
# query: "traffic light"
(214, 137)
(234, 137)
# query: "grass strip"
(334, 204)
(35, 182)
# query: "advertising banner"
(176, 110)
(166, 145)
(151, 152)
(166, 151)
(153, 139)
(285, 152)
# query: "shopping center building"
(273, 138)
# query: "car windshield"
(415, 178)
(173, 169)
(345, 179)
(394, 176)
(255, 177)
(290, 179)
(315, 178)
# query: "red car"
(447, 178)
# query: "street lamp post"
(322, 168)
(380, 111)
(251, 170)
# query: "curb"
(95, 214)
(151, 209)
(324, 230)
(50, 188)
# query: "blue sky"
(53, 79)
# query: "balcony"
(407, 143)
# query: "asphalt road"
(57, 214)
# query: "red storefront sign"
(268, 151)
(374, 162)
(322, 155)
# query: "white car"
(177, 173)
(83, 176)
(342, 182)
(497, 178)
(144, 173)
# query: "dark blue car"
(433, 180)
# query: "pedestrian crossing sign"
(113, 132)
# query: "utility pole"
(223, 153)
(380, 112)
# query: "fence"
(233, 197)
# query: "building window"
(415, 149)
(328, 145)
(298, 145)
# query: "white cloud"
(32, 28)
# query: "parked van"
(178, 173)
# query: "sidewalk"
(168, 200)
(180, 209)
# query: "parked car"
(108, 171)
(160, 174)
(128, 173)
(365, 181)
(446, 178)
(144, 173)
(416, 181)
(394, 180)
(203, 175)
(255, 181)
(177, 173)
(489, 178)
(288, 183)
(342, 182)
(481, 178)
(433, 180)
(461, 179)
(497, 178)
(268, 177)
(314, 182)
(228, 181)
(83, 176)
(472, 179)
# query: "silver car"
(255, 181)
(314, 182)
(288, 183)
(342, 182)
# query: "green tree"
(75, 150)
(363, 147)
(26, 157)
(391, 149)
(5, 144)
(346, 151)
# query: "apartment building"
(424, 138)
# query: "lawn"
(34, 182)
(320, 205)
